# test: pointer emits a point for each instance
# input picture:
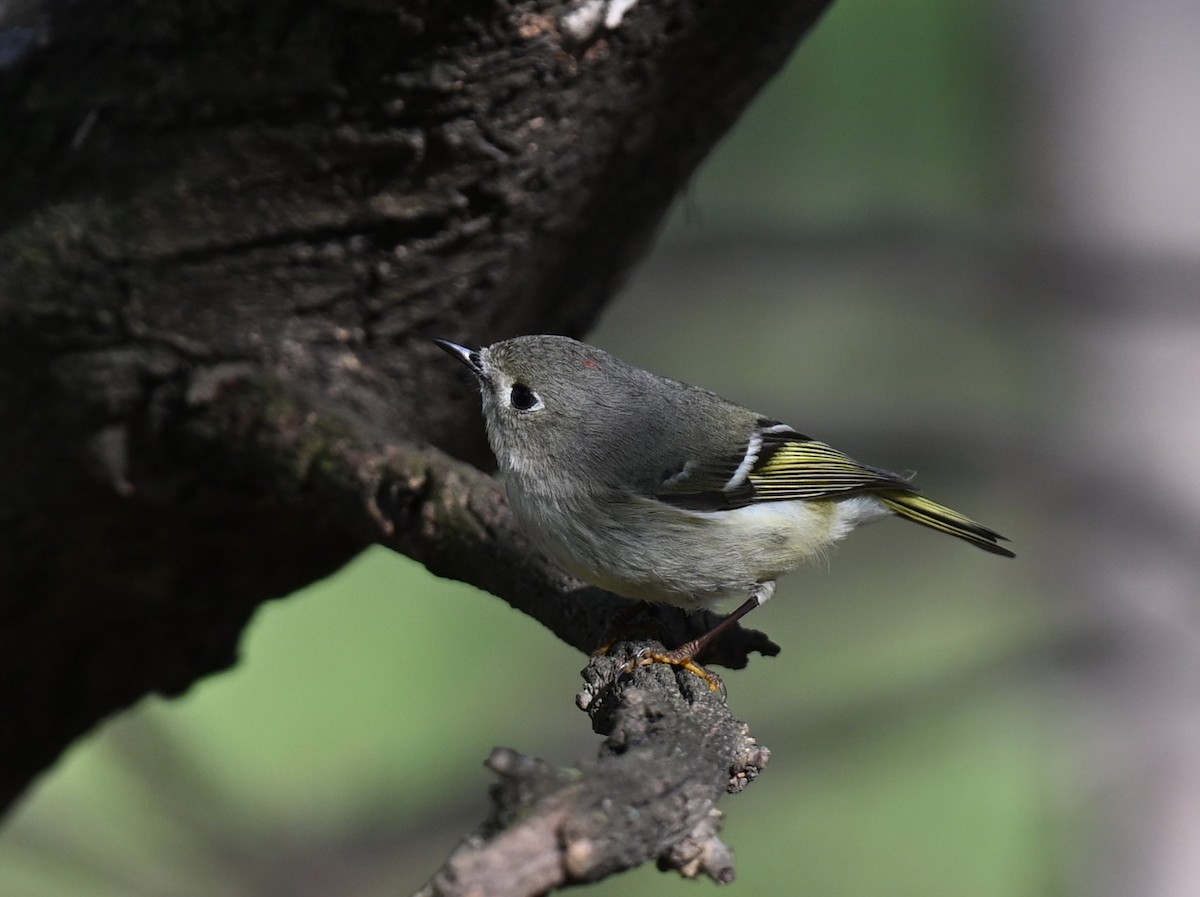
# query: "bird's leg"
(685, 655)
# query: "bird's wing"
(775, 464)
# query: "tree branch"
(448, 515)
(672, 750)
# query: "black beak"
(469, 357)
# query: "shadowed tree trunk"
(230, 229)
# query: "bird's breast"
(641, 548)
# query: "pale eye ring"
(523, 398)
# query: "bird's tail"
(929, 513)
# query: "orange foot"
(680, 657)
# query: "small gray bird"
(662, 491)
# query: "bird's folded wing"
(775, 464)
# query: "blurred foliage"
(890, 115)
(913, 750)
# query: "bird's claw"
(675, 659)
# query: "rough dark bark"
(671, 750)
(229, 228)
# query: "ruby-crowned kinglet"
(663, 491)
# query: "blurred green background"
(851, 260)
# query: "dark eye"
(522, 397)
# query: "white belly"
(646, 550)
